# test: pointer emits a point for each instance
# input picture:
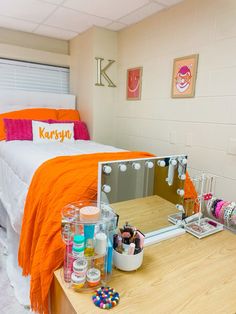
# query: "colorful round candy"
(105, 298)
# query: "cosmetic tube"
(131, 249)
(141, 237)
(89, 241)
(109, 257)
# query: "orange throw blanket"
(57, 182)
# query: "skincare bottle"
(78, 241)
(93, 277)
(77, 252)
(100, 243)
(77, 281)
(89, 247)
(89, 215)
(78, 246)
(80, 267)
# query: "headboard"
(11, 100)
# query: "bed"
(18, 162)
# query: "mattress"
(20, 159)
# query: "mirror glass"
(144, 192)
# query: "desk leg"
(59, 301)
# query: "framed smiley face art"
(134, 83)
(184, 76)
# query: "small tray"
(206, 227)
(175, 218)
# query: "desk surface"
(180, 275)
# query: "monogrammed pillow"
(56, 132)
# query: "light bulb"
(149, 164)
(180, 207)
(173, 162)
(161, 163)
(182, 177)
(136, 165)
(107, 169)
(122, 167)
(106, 188)
(180, 192)
(183, 161)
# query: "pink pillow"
(81, 131)
(21, 129)
(80, 128)
(18, 129)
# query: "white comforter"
(20, 159)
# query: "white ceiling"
(65, 19)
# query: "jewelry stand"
(195, 224)
(203, 227)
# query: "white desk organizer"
(87, 231)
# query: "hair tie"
(105, 298)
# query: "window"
(19, 75)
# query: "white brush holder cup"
(127, 262)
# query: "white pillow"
(55, 132)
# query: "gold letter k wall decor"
(101, 72)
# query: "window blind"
(19, 75)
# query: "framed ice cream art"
(134, 83)
(184, 76)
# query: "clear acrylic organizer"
(87, 230)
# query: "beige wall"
(34, 48)
(81, 75)
(96, 103)
(200, 126)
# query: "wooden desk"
(180, 275)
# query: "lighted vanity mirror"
(144, 191)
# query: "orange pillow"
(68, 114)
(33, 114)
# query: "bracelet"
(209, 206)
(214, 206)
(233, 217)
(222, 211)
(218, 208)
(228, 211)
